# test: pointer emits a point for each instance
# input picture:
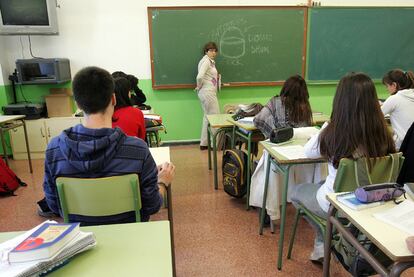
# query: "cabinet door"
(54, 126)
(36, 134)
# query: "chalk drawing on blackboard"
(232, 43)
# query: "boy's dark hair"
(122, 88)
(93, 88)
(208, 46)
(117, 74)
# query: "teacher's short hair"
(208, 46)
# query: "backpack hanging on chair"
(9, 182)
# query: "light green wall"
(4, 99)
(181, 110)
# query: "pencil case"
(282, 134)
(379, 192)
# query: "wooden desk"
(8, 122)
(135, 249)
(160, 156)
(389, 239)
(283, 165)
(221, 124)
(250, 130)
(246, 131)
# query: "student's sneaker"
(203, 147)
(267, 220)
(43, 209)
(317, 254)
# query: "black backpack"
(234, 172)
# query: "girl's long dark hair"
(122, 88)
(295, 97)
(357, 124)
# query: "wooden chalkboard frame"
(304, 8)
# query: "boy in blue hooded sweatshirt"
(94, 149)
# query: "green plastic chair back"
(355, 173)
(99, 196)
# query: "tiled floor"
(214, 234)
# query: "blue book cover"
(45, 242)
(47, 235)
(350, 200)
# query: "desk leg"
(215, 158)
(3, 144)
(170, 219)
(283, 217)
(328, 242)
(209, 145)
(249, 161)
(262, 212)
(157, 139)
(233, 137)
(27, 146)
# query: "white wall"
(114, 34)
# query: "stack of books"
(43, 249)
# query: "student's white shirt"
(207, 77)
(400, 108)
(312, 150)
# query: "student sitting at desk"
(137, 97)
(400, 105)
(129, 119)
(357, 129)
(94, 149)
(292, 109)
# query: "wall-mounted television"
(28, 17)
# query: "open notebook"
(400, 216)
(82, 242)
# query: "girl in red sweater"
(129, 119)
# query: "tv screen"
(28, 17)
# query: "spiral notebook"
(82, 242)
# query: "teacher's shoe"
(203, 147)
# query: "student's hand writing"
(166, 172)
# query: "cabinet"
(39, 133)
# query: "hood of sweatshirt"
(408, 94)
(89, 150)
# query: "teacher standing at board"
(208, 80)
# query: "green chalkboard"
(257, 45)
(371, 40)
